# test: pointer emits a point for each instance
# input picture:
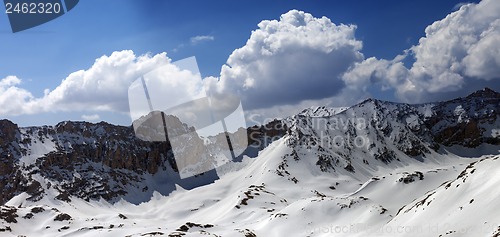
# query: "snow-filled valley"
(374, 169)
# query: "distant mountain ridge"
(332, 154)
(382, 132)
(74, 146)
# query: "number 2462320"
(32, 8)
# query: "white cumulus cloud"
(457, 53)
(298, 57)
(102, 87)
(13, 99)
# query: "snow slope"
(254, 199)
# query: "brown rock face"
(85, 160)
(113, 146)
(275, 128)
(8, 131)
(101, 153)
(467, 133)
(10, 178)
(461, 121)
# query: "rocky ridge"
(93, 161)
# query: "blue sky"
(43, 56)
(48, 53)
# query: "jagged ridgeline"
(93, 161)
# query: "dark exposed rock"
(385, 155)
(409, 178)
(188, 225)
(37, 209)
(62, 217)
(8, 214)
(349, 168)
(462, 119)
(28, 216)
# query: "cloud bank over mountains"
(458, 51)
(292, 63)
(102, 87)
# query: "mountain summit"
(485, 93)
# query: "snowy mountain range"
(374, 169)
